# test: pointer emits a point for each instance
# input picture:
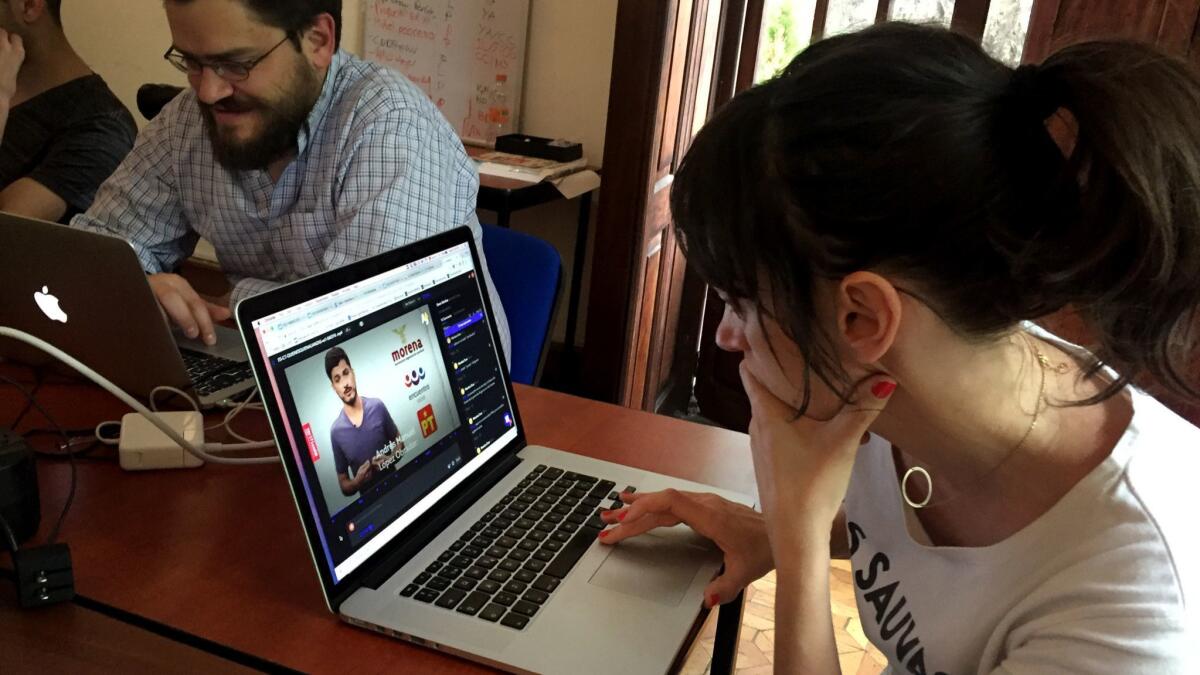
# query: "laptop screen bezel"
(276, 300)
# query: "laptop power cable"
(155, 440)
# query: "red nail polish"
(602, 533)
(883, 389)
(621, 515)
(714, 600)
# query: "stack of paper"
(519, 167)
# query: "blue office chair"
(527, 272)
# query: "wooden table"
(70, 638)
(218, 552)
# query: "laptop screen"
(391, 393)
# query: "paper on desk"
(574, 184)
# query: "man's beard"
(280, 122)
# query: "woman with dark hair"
(884, 220)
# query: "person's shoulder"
(1160, 477)
(340, 422)
(369, 91)
(1125, 545)
(373, 403)
(88, 101)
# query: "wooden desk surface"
(218, 551)
(68, 638)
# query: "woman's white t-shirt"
(1106, 581)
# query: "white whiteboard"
(453, 50)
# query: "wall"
(568, 66)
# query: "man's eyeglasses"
(228, 70)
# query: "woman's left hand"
(802, 465)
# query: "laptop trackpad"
(651, 567)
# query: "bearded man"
(288, 154)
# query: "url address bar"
(354, 307)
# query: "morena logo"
(414, 378)
(407, 350)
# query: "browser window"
(392, 393)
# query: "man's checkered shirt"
(377, 167)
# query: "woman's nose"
(730, 335)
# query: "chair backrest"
(152, 97)
(527, 272)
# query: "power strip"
(144, 446)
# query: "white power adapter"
(144, 446)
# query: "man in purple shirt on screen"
(363, 436)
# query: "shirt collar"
(324, 101)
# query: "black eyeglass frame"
(228, 70)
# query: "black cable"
(70, 455)
(42, 431)
(9, 534)
(37, 382)
(77, 437)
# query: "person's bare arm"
(12, 56)
(29, 198)
(351, 485)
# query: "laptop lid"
(85, 293)
(387, 394)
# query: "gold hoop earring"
(904, 487)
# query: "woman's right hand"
(739, 531)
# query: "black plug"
(44, 575)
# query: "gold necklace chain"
(1039, 405)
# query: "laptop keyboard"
(508, 564)
(210, 374)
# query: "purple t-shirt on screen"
(354, 445)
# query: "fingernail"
(714, 600)
(621, 515)
(210, 339)
(602, 534)
(883, 389)
(192, 332)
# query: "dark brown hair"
(909, 151)
(332, 358)
(293, 16)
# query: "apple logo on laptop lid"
(49, 305)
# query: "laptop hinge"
(446, 513)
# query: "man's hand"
(364, 473)
(739, 531)
(12, 56)
(192, 313)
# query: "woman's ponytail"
(1132, 252)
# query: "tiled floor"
(757, 648)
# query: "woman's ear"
(868, 315)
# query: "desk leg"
(729, 631)
(581, 237)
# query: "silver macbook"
(86, 294)
(428, 516)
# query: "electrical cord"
(9, 535)
(150, 415)
(246, 443)
(70, 456)
(37, 382)
(78, 437)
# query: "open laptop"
(86, 293)
(462, 537)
